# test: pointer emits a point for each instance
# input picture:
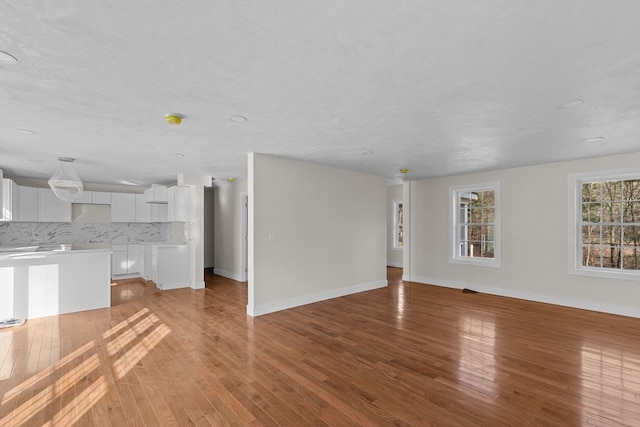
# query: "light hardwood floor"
(406, 355)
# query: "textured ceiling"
(439, 87)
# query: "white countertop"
(48, 254)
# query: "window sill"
(606, 273)
(480, 262)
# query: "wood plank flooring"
(407, 355)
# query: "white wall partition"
(534, 239)
(315, 233)
(228, 229)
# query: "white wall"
(534, 239)
(394, 256)
(228, 229)
(315, 233)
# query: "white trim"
(227, 274)
(621, 310)
(244, 245)
(454, 258)
(574, 254)
(309, 299)
(394, 224)
(195, 285)
(168, 286)
(394, 264)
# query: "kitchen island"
(38, 284)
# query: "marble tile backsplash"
(25, 233)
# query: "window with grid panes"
(607, 225)
(475, 223)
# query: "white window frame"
(454, 253)
(574, 186)
(394, 206)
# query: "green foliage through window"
(610, 224)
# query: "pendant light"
(66, 183)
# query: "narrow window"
(475, 224)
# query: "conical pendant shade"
(66, 183)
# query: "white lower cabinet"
(127, 260)
(167, 265)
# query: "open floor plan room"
(409, 354)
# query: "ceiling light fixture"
(571, 104)
(173, 119)
(25, 131)
(66, 183)
(404, 171)
(231, 179)
(595, 141)
(178, 155)
(236, 118)
(7, 59)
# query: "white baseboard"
(308, 299)
(532, 296)
(167, 286)
(198, 285)
(394, 264)
(126, 276)
(228, 274)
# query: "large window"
(605, 217)
(475, 224)
(397, 225)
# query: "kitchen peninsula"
(37, 284)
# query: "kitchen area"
(59, 257)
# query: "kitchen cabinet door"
(101, 198)
(179, 203)
(119, 260)
(143, 209)
(28, 203)
(135, 254)
(10, 200)
(52, 209)
(123, 207)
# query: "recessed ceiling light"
(366, 153)
(25, 131)
(596, 141)
(231, 179)
(6, 59)
(571, 104)
(236, 118)
(404, 170)
(179, 155)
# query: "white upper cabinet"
(94, 198)
(87, 197)
(179, 203)
(157, 194)
(50, 208)
(123, 207)
(10, 200)
(143, 209)
(28, 210)
(31, 204)
(101, 198)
